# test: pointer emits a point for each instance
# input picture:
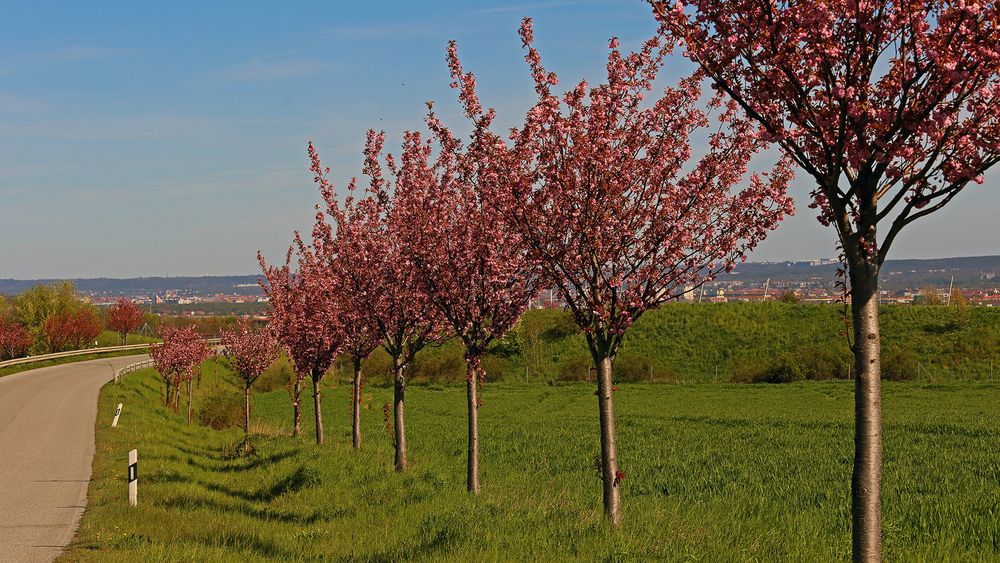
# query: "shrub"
(448, 367)
(820, 362)
(899, 365)
(497, 367)
(576, 368)
(561, 325)
(221, 408)
(377, 368)
(745, 372)
(630, 369)
(783, 369)
(789, 296)
(278, 376)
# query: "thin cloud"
(10, 103)
(66, 54)
(12, 62)
(80, 53)
(264, 69)
(525, 7)
(385, 30)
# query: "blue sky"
(170, 140)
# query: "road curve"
(47, 420)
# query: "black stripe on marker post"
(133, 472)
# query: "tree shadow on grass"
(236, 467)
(301, 478)
(186, 502)
(232, 540)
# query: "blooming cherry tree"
(72, 330)
(381, 280)
(891, 109)
(359, 333)
(178, 359)
(304, 321)
(14, 339)
(124, 317)
(472, 268)
(606, 197)
(251, 353)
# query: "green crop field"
(722, 472)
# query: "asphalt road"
(47, 420)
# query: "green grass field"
(713, 472)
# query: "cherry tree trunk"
(472, 377)
(609, 442)
(296, 406)
(190, 395)
(318, 408)
(866, 480)
(124, 336)
(177, 394)
(398, 411)
(246, 412)
(356, 400)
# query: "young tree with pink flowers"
(178, 359)
(72, 329)
(124, 317)
(358, 331)
(282, 287)
(304, 320)
(470, 265)
(14, 339)
(381, 280)
(891, 109)
(618, 215)
(251, 352)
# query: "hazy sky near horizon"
(169, 139)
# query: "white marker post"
(118, 412)
(133, 478)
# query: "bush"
(377, 368)
(783, 369)
(278, 376)
(899, 365)
(630, 369)
(497, 367)
(221, 408)
(820, 363)
(448, 367)
(561, 325)
(576, 368)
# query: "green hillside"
(733, 342)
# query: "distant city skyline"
(172, 142)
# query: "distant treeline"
(203, 285)
(213, 308)
(969, 272)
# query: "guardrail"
(84, 352)
(88, 351)
(131, 368)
